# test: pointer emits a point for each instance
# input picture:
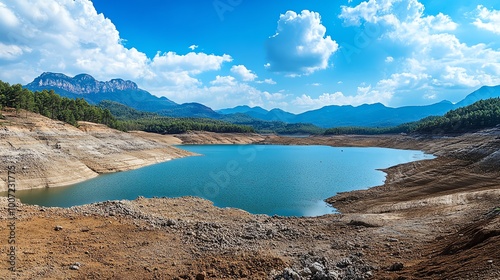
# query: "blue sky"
(295, 55)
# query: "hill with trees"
(480, 115)
(50, 104)
(132, 119)
(69, 110)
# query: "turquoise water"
(282, 180)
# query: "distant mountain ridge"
(484, 92)
(370, 115)
(128, 93)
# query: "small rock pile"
(352, 267)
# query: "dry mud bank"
(48, 153)
(432, 219)
(448, 206)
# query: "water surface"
(282, 180)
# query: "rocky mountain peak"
(81, 84)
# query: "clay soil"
(432, 219)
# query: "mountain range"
(125, 92)
(128, 93)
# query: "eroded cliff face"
(48, 153)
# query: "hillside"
(50, 153)
(132, 119)
(118, 90)
(480, 115)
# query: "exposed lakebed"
(261, 179)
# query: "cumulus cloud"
(267, 81)
(364, 95)
(243, 72)
(193, 47)
(299, 45)
(66, 36)
(69, 36)
(488, 20)
(194, 63)
(436, 57)
(224, 80)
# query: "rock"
(200, 276)
(316, 268)
(288, 274)
(320, 276)
(305, 272)
(171, 222)
(58, 228)
(333, 275)
(392, 239)
(361, 224)
(75, 266)
(345, 262)
(294, 275)
(396, 266)
(490, 261)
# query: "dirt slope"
(48, 153)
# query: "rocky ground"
(432, 219)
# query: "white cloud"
(436, 58)
(192, 62)
(227, 91)
(389, 59)
(69, 36)
(488, 20)
(243, 72)
(267, 81)
(459, 76)
(10, 52)
(224, 80)
(365, 95)
(8, 18)
(299, 45)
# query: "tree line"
(277, 127)
(52, 105)
(480, 115)
(132, 119)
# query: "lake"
(261, 179)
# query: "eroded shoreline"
(423, 223)
(50, 153)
